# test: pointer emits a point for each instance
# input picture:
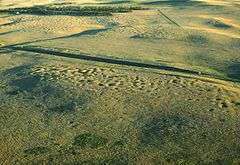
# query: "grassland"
(119, 82)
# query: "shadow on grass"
(9, 32)
(26, 83)
(36, 151)
(159, 129)
(89, 57)
(178, 3)
(10, 23)
(17, 71)
(179, 135)
(91, 32)
(69, 106)
(116, 2)
(48, 96)
(218, 24)
(234, 71)
(86, 33)
(63, 103)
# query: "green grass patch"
(88, 140)
(36, 151)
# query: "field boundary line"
(169, 19)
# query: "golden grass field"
(119, 82)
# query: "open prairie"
(119, 82)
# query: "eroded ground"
(144, 82)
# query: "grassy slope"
(57, 109)
(205, 40)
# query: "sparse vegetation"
(108, 82)
(197, 39)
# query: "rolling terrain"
(119, 82)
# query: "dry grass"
(55, 109)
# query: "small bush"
(88, 140)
